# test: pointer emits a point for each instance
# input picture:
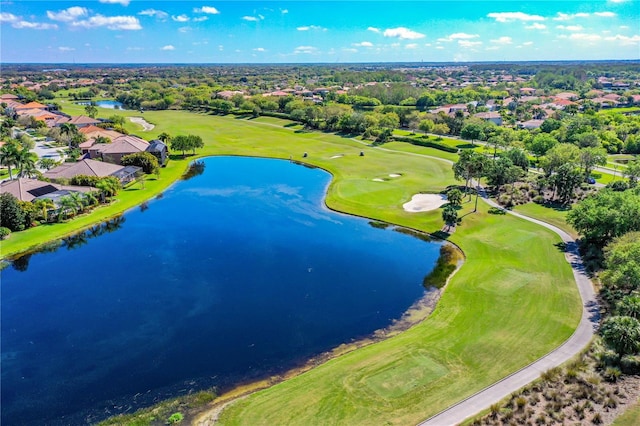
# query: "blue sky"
(132, 31)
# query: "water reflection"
(195, 169)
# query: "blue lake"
(235, 274)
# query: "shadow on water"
(195, 169)
(21, 263)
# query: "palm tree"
(9, 155)
(450, 216)
(78, 200)
(621, 333)
(26, 162)
(89, 199)
(44, 204)
(165, 137)
(102, 139)
(67, 204)
(69, 130)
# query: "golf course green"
(512, 301)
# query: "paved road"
(580, 338)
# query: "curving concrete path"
(581, 337)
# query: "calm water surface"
(234, 274)
(105, 104)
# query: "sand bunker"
(146, 126)
(425, 202)
(394, 175)
(337, 156)
(377, 180)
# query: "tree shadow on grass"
(294, 124)
(466, 146)
(440, 234)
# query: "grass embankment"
(553, 215)
(512, 301)
(631, 417)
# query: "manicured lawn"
(554, 216)
(512, 301)
(631, 417)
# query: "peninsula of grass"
(512, 301)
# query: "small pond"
(237, 273)
(104, 104)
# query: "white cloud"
(207, 9)
(625, 40)
(153, 12)
(350, 50)
(253, 18)
(458, 36)
(68, 15)
(134, 49)
(373, 29)
(34, 25)
(492, 48)
(502, 40)
(200, 19)
(180, 18)
(8, 17)
(527, 43)
(624, 27)
(168, 47)
(260, 49)
(468, 43)
(536, 26)
(363, 44)
(411, 46)
(440, 47)
(305, 49)
(311, 28)
(110, 22)
(184, 29)
(618, 1)
(122, 2)
(66, 49)
(585, 37)
(402, 33)
(570, 27)
(284, 11)
(605, 14)
(567, 17)
(514, 16)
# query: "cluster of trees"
(609, 222)
(185, 143)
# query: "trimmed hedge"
(422, 142)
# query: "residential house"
(89, 167)
(493, 117)
(118, 148)
(25, 189)
(81, 121)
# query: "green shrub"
(4, 232)
(427, 143)
(630, 364)
(611, 374)
(538, 199)
(175, 418)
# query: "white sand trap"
(394, 175)
(146, 126)
(377, 180)
(425, 202)
(337, 156)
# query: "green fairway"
(513, 300)
(555, 216)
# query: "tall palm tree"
(165, 137)
(26, 162)
(89, 199)
(78, 200)
(9, 155)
